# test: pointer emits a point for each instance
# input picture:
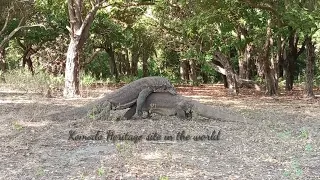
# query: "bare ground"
(262, 138)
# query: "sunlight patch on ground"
(32, 124)
(151, 155)
(17, 101)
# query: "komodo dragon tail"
(74, 113)
(216, 112)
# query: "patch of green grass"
(285, 135)
(294, 171)
(308, 148)
(40, 82)
(128, 79)
(120, 148)
(91, 114)
(87, 80)
(100, 171)
(40, 171)
(163, 178)
(17, 126)
(304, 134)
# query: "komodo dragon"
(134, 93)
(164, 103)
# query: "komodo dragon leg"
(141, 99)
(179, 112)
(130, 113)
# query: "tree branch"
(6, 22)
(71, 15)
(77, 11)
(83, 32)
(133, 4)
(265, 6)
(303, 47)
(21, 44)
(169, 29)
(91, 58)
(218, 68)
(7, 38)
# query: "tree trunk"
(127, 62)
(112, 62)
(79, 33)
(225, 81)
(268, 72)
(26, 59)
(120, 59)
(134, 63)
(292, 55)
(244, 61)
(145, 58)
(184, 69)
(193, 71)
(289, 72)
(229, 72)
(290, 60)
(72, 70)
(310, 64)
(3, 65)
(280, 57)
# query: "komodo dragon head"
(166, 88)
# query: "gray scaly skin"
(122, 98)
(166, 104)
(146, 92)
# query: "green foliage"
(294, 171)
(99, 67)
(304, 133)
(128, 79)
(39, 83)
(164, 33)
(100, 171)
(14, 56)
(87, 80)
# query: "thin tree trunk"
(184, 69)
(292, 55)
(244, 62)
(145, 58)
(280, 57)
(26, 59)
(119, 59)
(134, 63)
(225, 81)
(72, 70)
(3, 65)
(193, 71)
(112, 62)
(310, 64)
(290, 60)
(127, 62)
